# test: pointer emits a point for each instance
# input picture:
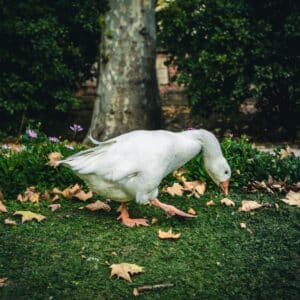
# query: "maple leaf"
(68, 192)
(54, 207)
(9, 222)
(83, 196)
(2, 207)
(196, 187)
(176, 189)
(54, 157)
(178, 174)
(227, 202)
(168, 234)
(292, 198)
(30, 194)
(248, 205)
(29, 216)
(124, 270)
(98, 205)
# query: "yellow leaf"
(227, 202)
(292, 198)
(54, 207)
(9, 222)
(2, 207)
(29, 216)
(210, 203)
(168, 234)
(176, 189)
(83, 196)
(191, 211)
(124, 270)
(248, 205)
(54, 157)
(30, 194)
(98, 205)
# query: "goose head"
(215, 163)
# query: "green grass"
(67, 256)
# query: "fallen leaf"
(292, 198)
(168, 234)
(227, 202)
(179, 174)
(191, 211)
(68, 192)
(248, 205)
(46, 195)
(176, 189)
(124, 270)
(195, 185)
(55, 198)
(3, 281)
(29, 216)
(154, 221)
(135, 292)
(98, 205)
(238, 172)
(276, 206)
(210, 203)
(83, 196)
(30, 194)
(9, 222)
(285, 152)
(2, 207)
(54, 157)
(54, 207)
(243, 225)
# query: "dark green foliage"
(227, 51)
(47, 50)
(19, 170)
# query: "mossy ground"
(67, 256)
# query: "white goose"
(132, 165)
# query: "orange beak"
(224, 187)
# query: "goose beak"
(224, 187)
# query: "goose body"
(132, 165)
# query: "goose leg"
(170, 209)
(126, 220)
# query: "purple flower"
(31, 133)
(53, 139)
(76, 128)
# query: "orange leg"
(124, 217)
(170, 209)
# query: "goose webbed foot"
(126, 220)
(170, 209)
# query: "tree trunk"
(127, 93)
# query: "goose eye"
(226, 172)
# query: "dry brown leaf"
(196, 187)
(54, 207)
(227, 202)
(176, 189)
(154, 221)
(210, 203)
(135, 292)
(3, 208)
(292, 198)
(191, 211)
(55, 198)
(3, 281)
(83, 196)
(168, 234)
(68, 192)
(9, 222)
(179, 174)
(98, 205)
(54, 157)
(124, 270)
(248, 205)
(30, 194)
(29, 216)
(285, 152)
(243, 225)
(46, 195)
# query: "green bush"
(227, 51)
(47, 50)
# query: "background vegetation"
(47, 50)
(228, 51)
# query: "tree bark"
(127, 92)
